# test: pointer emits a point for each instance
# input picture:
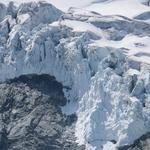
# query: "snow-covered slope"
(102, 61)
(129, 8)
(61, 4)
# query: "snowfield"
(129, 8)
(102, 58)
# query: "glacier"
(102, 60)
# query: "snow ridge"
(103, 63)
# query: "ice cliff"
(102, 61)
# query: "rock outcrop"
(31, 117)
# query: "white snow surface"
(129, 8)
(103, 62)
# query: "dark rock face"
(143, 143)
(30, 115)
